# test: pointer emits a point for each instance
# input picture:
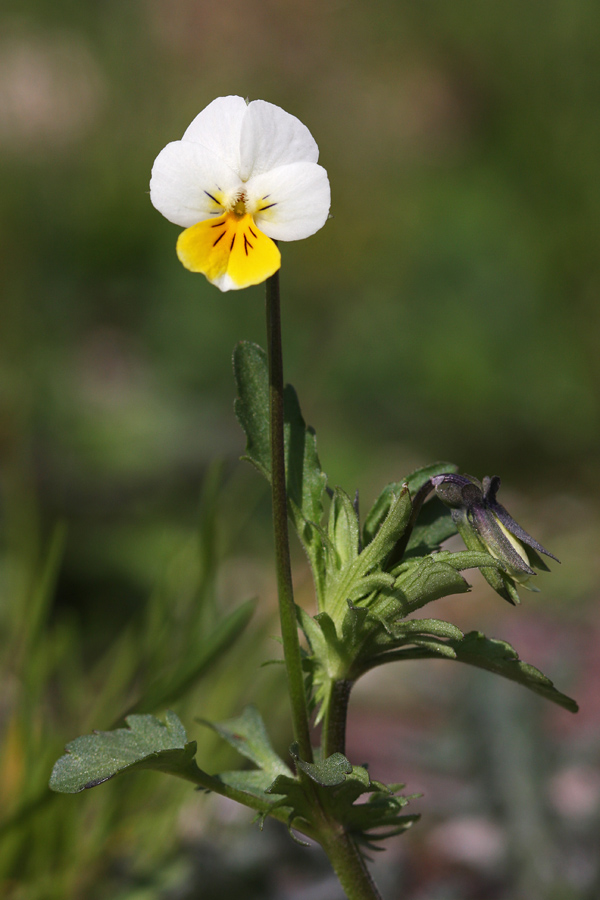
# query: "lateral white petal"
(218, 127)
(188, 183)
(290, 202)
(271, 137)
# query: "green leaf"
(327, 626)
(327, 772)
(502, 659)
(147, 743)
(426, 580)
(347, 584)
(439, 648)
(485, 653)
(365, 820)
(343, 530)
(314, 632)
(417, 632)
(252, 404)
(251, 781)
(374, 582)
(379, 511)
(305, 483)
(248, 735)
(293, 798)
(353, 624)
(325, 659)
(339, 784)
(390, 530)
(435, 627)
(382, 810)
(467, 559)
(305, 480)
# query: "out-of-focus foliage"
(448, 310)
(59, 679)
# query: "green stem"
(350, 868)
(285, 590)
(334, 724)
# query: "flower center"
(239, 207)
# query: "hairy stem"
(334, 724)
(287, 608)
(350, 868)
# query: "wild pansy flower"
(243, 176)
(484, 524)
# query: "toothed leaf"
(500, 657)
(248, 735)
(305, 480)
(146, 743)
(327, 772)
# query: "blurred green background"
(449, 309)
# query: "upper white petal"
(300, 196)
(183, 176)
(218, 127)
(271, 137)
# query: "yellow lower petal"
(230, 251)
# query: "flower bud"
(484, 524)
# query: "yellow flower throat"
(229, 248)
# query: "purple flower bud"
(484, 524)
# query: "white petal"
(295, 200)
(270, 138)
(187, 181)
(218, 127)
